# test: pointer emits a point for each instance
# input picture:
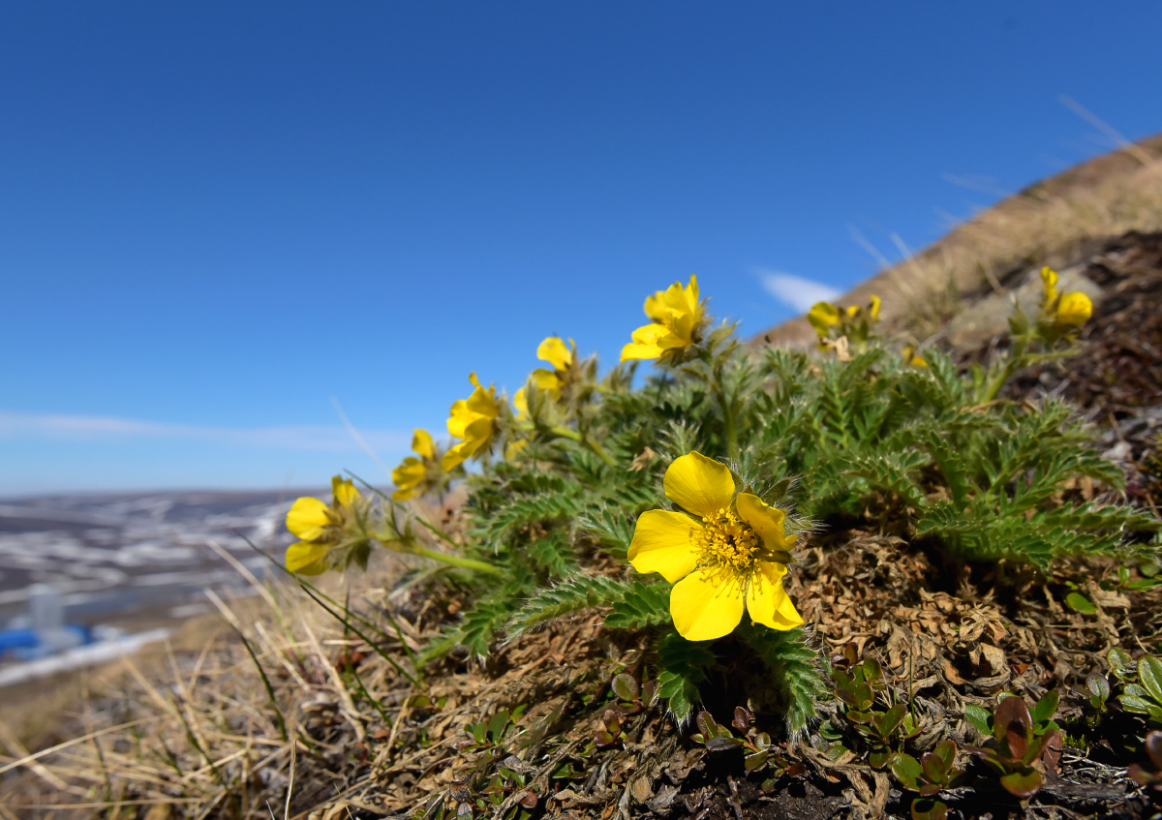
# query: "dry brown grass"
(1043, 224)
(190, 724)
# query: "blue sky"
(215, 217)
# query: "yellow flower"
(520, 400)
(912, 358)
(823, 316)
(554, 351)
(1049, 286)
(471, 419)
(678, 318)
(1074, 309)
(873, 307)
(412, 473)
(722, 558)
(320, 527)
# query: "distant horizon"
(303, 490)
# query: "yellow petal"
(305, 558)
(634, 350)
(704, 608)
(554, 351)
(459, 417)
(764, 519)
(1075, 309)
(520, 401)
(852, 311)
(308, 517)
(766, 600)
(455, 456)
(546, 380)
(344, 492)
(873, 307)
(514, 448)
(665, 542)
(406, 477)
(422, 444)
(645, 343)
(699, 484)
(823, 316)
(676, 300)
(476, 436)
(1049, 285)
(483, 403)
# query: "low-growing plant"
(761, 754)
(1142, 688)
(1019, 743)
(1150, 773)
(933, 773)
(856, 687)
(706, 477)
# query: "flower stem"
(584, 441)
(600, 451)
(728, 422)
(1015, 361)
(458, 561)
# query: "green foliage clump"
(864, 436)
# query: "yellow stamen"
(728, 543)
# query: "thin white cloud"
(303, 437)
(795, 291)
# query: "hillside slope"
(1045, 223)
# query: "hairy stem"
(458, 561)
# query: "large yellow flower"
(322, 528)
(413, 473)
(722, 557)
(472, 420)
(678, 318)
(554, 351)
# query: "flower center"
(727, 542)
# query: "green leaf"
(929, 809)
(946, 751)
(1045, 708)
(625, 687)
(887, 722)
(578, 593)
(933, 767)
(642, 605)
(907, 770)
(1150, 675)
(1098, 686)
(1079, 603)
(979, 717)
(681, 666)
(1024, 783)
(794, 671)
